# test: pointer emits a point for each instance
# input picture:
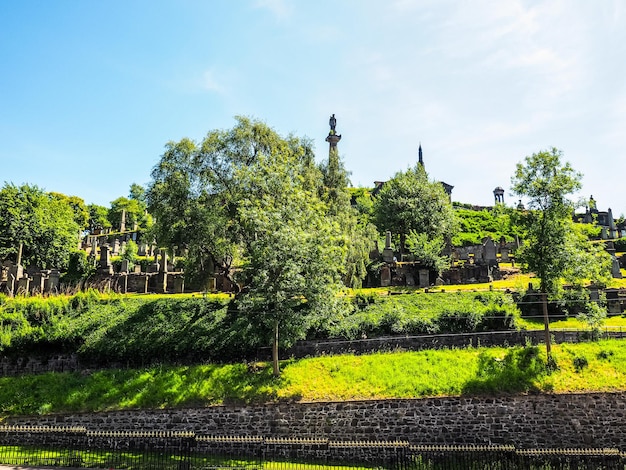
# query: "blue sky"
(91, 91)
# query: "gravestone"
(613, 304)
(125, 267)
(23, 285)
(489, 251)
(105, 265)
(37, 284)
(385, 276)
(504, 254)
(410, 279)
(116, 247)
(179, 284)
(424, 278)
(52, 283)
(123, 221)
(388, 251)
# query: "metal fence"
(78, 447)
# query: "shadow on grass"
(153, 387)
(518, 371)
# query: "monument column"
(333, 138)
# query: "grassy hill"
(596, 366)
(202, 331)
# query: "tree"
(359, 232)
(81, 212)
(134, 211)
(428, 250)
(294, 254)
(250, 197)
(551, 248)
(98, 218)
(43, 224)
(409, 201)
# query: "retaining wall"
(528, 421)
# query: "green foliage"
(424, 314)
(409, 201)
(474, 226)
(518, 369)
(79, 267)
(580, 363)
(552, 248)
(134, 211)
(81, 212)
(43, 223)
(428, 251)
(98, 217)
(130, 251)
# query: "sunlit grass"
(596, 366)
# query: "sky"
(90, 92)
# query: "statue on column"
(333, 122)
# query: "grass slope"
(598, 366)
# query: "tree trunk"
(275, 351)
(546, 324)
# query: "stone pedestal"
(161, 283)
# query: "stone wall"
(525, 421)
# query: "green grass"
(598, 366)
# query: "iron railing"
(76, 447)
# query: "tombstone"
(385, 276)
(424, 277)
(116, 246)
(388, 251)
(23, 285)
(122, 284)
(179, 284)
(123, 247)
(615, 269)
(37, 284)
(17, 272)
(52, 283)
(125, 267)
(489, 251)
(613, 304)
(504, 254)
(455, 276)
(211, 285)
(410, 279)
(134, 235)
(137, 268)
(142, 249)
(105, 260)
(94, 247)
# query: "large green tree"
(251, 198)
(411, 202)
(551, 248)
(44, 224)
